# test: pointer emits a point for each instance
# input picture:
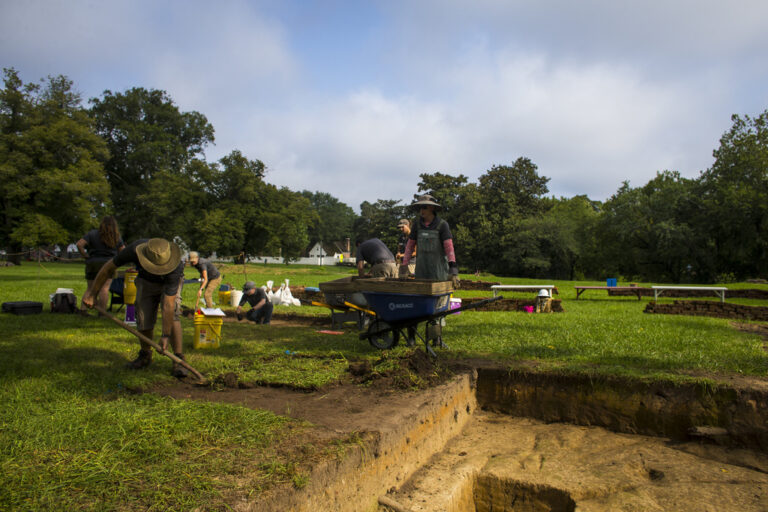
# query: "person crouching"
(261, 308)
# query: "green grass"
(75, 434)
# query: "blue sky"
(358, 98)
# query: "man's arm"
(360, 267)
(105, 273)
(259, 304)
(204, 274)
(169, 309)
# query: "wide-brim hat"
(427, 200)
(158, 256)
(249, 285)
(404, 222)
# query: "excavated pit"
(492, 439)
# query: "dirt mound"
(415, 371)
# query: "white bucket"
(234, 298)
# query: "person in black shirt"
(159, 280)
(405, 231)
(102, 245)
(261, 307)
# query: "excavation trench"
(491, 439)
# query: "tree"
(52, 183)
(379, 220)
(150, 142)
(735, 193)
(334, 218)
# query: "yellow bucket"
(129, 288)
(207, 331)
(224, 297)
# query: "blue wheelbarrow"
(397, 315)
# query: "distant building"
(327, 253)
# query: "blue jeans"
(262, 315)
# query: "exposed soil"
(377, 400)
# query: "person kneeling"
(261, 308)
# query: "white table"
(523, 287)
(719, 290)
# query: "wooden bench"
(523, 288)
(637, 290)
(718, 290)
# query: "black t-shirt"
(254, 298)
(98, 250)
(374, 251)
(203, 264)
(401, 243)
(437, 223)
(170, 281)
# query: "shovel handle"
(148, 341)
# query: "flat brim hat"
(404, 222)
(426, 200)
(158, 256)
(249, 285)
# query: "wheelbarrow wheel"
(382, 336)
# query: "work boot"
(142, 361)
(178, 370)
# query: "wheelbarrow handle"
(169, 355)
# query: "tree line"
(134, 154)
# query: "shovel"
(148, 341)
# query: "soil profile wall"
(726, 415)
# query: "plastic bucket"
(234, 298)
(224, 296)
(207, 331)
(129, 288)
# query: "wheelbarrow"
(398, 315)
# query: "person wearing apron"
(432, 236)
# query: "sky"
(358, 98)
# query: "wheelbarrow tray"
(395, 308)
(342, 290)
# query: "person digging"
(158, 284)
(209, 275)
(261, 307)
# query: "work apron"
(432, 263)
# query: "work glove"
(453, 270)
(402, 273)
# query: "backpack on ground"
(63, 303)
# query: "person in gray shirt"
(375, 253)
(210, 277)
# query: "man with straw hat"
(159, 280)
(432, 236)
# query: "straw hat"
(427, 200)
(158, 256)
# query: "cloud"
(593, 92)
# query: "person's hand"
(199, 292)
(163, 344)
(402, 271)
(88, 300)
(453, 270)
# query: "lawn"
(74, 432)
